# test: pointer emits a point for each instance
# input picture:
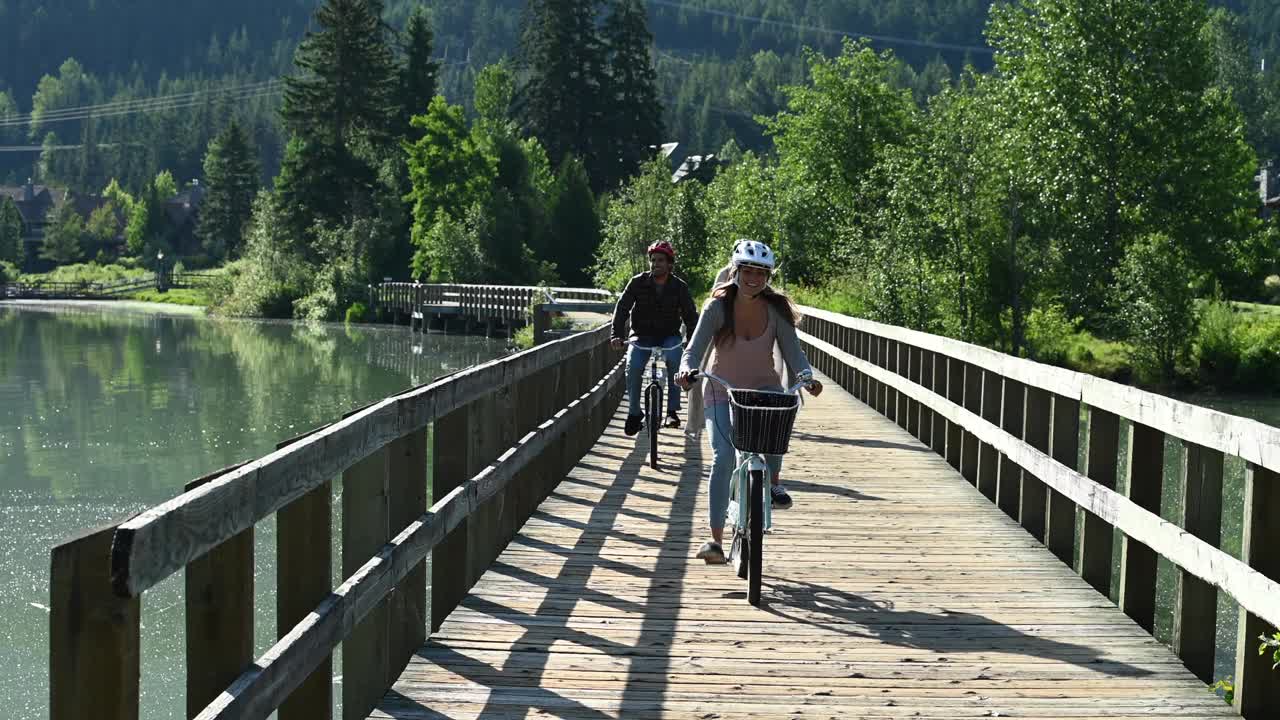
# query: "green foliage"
(62, 236)
(1219, 343)
(523, 338)
(1050, 334)
(357, 313)
(632, 109)
(574, 232)
(1227, 688)
(231, 173)
(418, 74)
(1259, 366)
(1272, 645)
(11, 245)
(844, 296)
(272, 275)
(636, 217)
(1158, 304)
(449, 250)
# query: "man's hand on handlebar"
(615, 343)
(814, 387)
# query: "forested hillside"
(720, 63)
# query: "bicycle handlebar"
(803, 379)
(650, 348)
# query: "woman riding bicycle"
(741, 324)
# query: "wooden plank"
(366, 650)
(164, 539)
(1257, 684)
(1064, 448)
(451, 464)
(1251, 440)
(1008, 474)
(1036, 422)
(94, 636)
(219, 615)
(407, 620)
(1137, 561)
(304, 559)
(1101, 455)
(1195, 602)
(269, 680)
(969, 445)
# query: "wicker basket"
(762, 420)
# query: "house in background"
(1268, 180)
(34, 203)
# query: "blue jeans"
(725, 461)
(637, 361)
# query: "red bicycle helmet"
(663, 247)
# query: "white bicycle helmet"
(750, 252)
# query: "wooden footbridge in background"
(921, 573)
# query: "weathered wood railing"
(1010, 426)
(483, 302)
(502, 435)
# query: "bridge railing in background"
(507, 303)
(1011, 427)
(501, 436)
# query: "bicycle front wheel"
(653, 408)
(756, 524)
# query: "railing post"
(365, 528)
(1195, 602)
(938, 432)
(1137, 561)
(1257, 685)
(901, 368)
(1100, 465)
(408, 501)
(304, 576)
(541, 323)
(94, 636)
(1009, 474)
(1064, 446)
(956, 375)
(219, 605)
(1037, 407)
(909, 368)
(969, 441)
(451, 466)
(924, 420)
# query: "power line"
(154, 104)
(825, 31)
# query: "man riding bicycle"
(656, 302)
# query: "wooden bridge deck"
(893, 589)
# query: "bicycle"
(761, 423)
(653, 394)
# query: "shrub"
(1157, 304)
(1050, 334)
(1260, 357)
(1219, 343)
(356, 313)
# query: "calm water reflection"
(107, 409)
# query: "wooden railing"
(501, 436)
(1010, 426)
(48, 290)
(499, 302)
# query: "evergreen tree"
(11, 249)
(561, 101)
(342, 101)
(61, 243)
(231, 172)
(575, 225)
(418, 73)
(633, 111)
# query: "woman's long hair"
(727, 293)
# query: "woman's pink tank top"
(744, 363)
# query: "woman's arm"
(709, 323)
(792, 353)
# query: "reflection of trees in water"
(133, 405)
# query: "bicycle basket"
(762, 420)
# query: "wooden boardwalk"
(893, 589)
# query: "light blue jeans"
(637, 361)
(725, 461)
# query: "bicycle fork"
(738, 507)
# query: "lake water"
(106, 409)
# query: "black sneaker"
(634, 423)
(673, 421)
(781, 500)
